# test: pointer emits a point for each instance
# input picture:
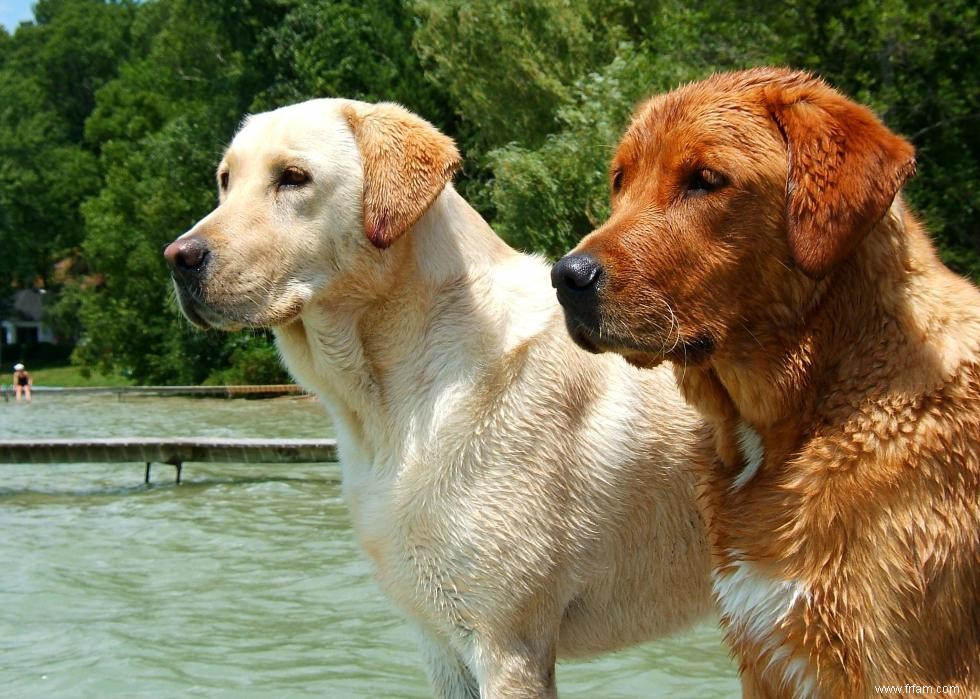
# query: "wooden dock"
(175, 452)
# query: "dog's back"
(899, 424)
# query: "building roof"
(25, 304)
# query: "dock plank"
(168, 451)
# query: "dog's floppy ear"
(845, 168)
(406, 162)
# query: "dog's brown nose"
(187, 254)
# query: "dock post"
(179, 465)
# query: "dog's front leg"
(517, 669)
(448, 674)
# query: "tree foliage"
(49, 73)
(113, 115)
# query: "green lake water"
(243, 581)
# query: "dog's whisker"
(675, 328)
(757, 341)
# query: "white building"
(24, 318)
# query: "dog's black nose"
(575, 272)
(187, 254)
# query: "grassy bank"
(68, 376)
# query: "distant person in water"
(22, 382)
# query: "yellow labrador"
(519, 497)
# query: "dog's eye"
(704, 181)
(293, 177)
(223, 181)
(617, 180)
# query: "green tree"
(162, 125)
(49, 73)
(113, 114)
(344, 48)
(509, 65)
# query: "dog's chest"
(758, 605)
(757, 608)
(408, 544)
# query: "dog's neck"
(780, 378)
(387, 346)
